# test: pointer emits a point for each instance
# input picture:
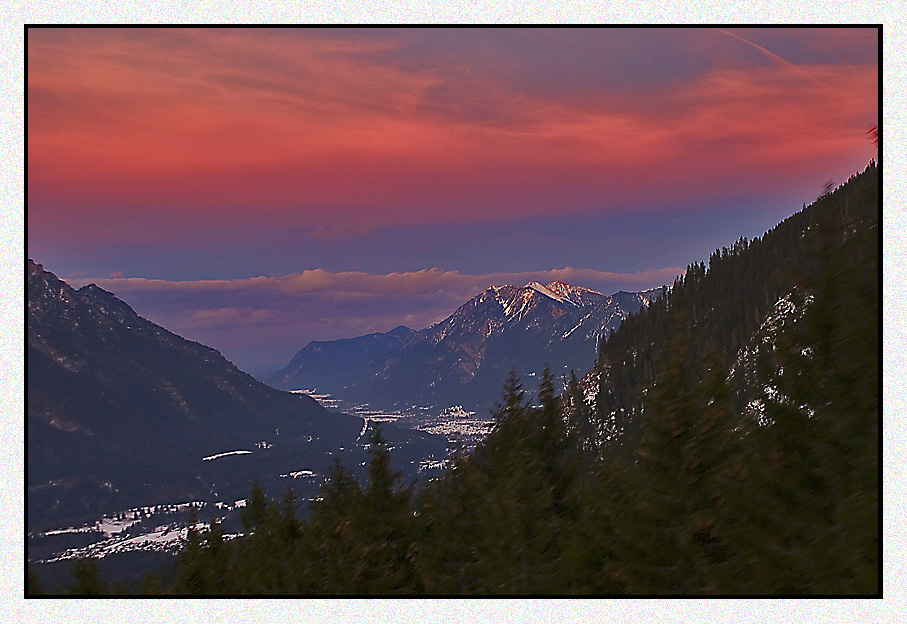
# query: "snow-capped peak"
(566, 290)
(562, 289)
(565, 293)
(546, 291)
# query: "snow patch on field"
(219, 455)
(433, 464)
(299, 474)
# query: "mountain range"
(464, 359)
(122, 412)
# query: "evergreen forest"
(726, 442)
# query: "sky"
(255, 189)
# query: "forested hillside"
(732, 448)
(828, 250)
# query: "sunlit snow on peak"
(545, 291)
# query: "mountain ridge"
(464, 358)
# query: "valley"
(688, 387)
(457, 424)
(450, 312)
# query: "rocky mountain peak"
(560, 288)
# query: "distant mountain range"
(464, 359)
(122, 412)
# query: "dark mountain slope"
(333, 363)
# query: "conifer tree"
(33, 585)
(681, 478)
(252, 515)
(86, 577)
(151, 585)
(193, 573)
(330, 534)
(387, 526)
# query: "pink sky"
(336, 129)
(161, 153)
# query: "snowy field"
(122, 531)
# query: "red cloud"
(323, 127)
